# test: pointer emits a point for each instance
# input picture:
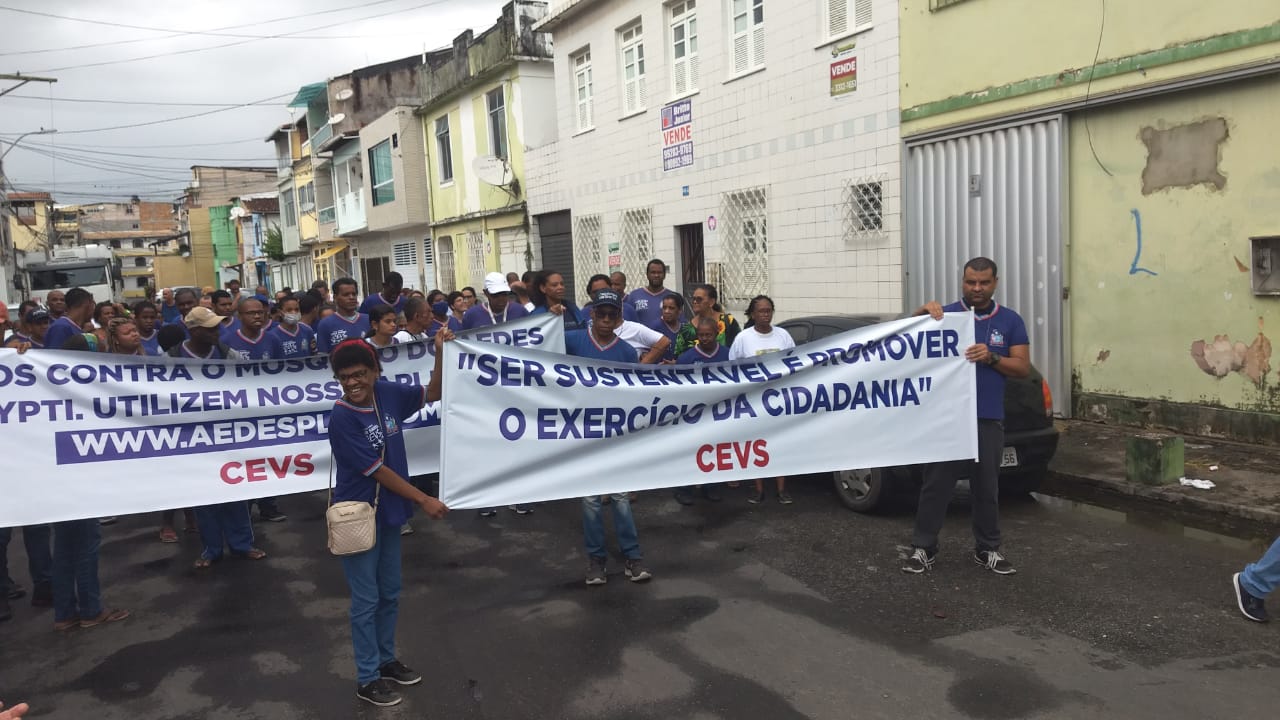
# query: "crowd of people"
(650, 324)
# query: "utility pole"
(8, 250)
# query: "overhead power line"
(128, 102)
(173, 32)
(95, 146)
(241, 42)
(175, 119)
(95, 151)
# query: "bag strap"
(382, 455)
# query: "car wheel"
(860, 489)
(1024, 483)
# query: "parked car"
(1029, 434)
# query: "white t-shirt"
(404, 336)
(751, 342)
(638, 336)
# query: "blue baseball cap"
(606, 297)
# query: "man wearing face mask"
(297, 339)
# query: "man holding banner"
(1001, 349)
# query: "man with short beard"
(56, 301)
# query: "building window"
(497, 104)
(140, 262)
(747, 32)
(684, 47)
(476, 262)
(444, 149)
(588, 253)
(307, 198)
(381, 179)
(744, 246)
(636, 236)
(863, 206)
(444, 253)
(287, 209)
(583, 90)
(631, 42)
(839, 20)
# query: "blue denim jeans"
(1263, 577)
(374, 578)
(225, 523)
(76, 592)
(36, 539)
(624, 525)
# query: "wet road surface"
(754, 612)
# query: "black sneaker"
(378, 693)
(15, 592)
(755, 498)
(683, 496)
(709, 494)
(1254, 608)
(993, 561)
(636, 570)
(42, 595)
(5, 611)
(920, 561)
(595, 571)
(272, 516)
(398, 672)
(521, 509)
(488, 512)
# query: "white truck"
(92, 267)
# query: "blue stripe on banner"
(105, 445)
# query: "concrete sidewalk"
(1246, 477)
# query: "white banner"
(93, 434)
(525, 426)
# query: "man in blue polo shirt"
(79, 310)
(347, 323)
(390, 294)
(1001, 349)
(648, 300)
(499, 309)
(250, 339)
(599, 342)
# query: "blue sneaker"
(1254, 608)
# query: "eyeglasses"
(353, 376)
(699, 299)
(606, 313)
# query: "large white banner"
(521, 425)
(93, 434)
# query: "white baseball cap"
(495, 283)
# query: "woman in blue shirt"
(369, 456)
(547, 293)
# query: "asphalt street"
(754, 612)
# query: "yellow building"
(30, 215)
(486, 99)
(1115, 159)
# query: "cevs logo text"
(732, 455)
(258, 470)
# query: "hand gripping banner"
(521, 425)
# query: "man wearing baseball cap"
(203, 327)
(500, 308)
(600, 342)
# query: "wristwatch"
(994, 359)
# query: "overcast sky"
(153, 160)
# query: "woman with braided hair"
(366, 436)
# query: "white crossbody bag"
(353, 524)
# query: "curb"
(1160, 495)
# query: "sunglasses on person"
(606, 313)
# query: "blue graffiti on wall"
(1137, 255)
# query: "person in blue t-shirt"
(347, 322)
(500, 308)
(297, 339)
(548, 294)
(250, 340)
(147, 316)
(708, 349)
(79, 311)
(648, 300)
(186, 299)
(599, 342)
(390, 294)
(1001, 349)
(367, 440)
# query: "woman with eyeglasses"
(469, 295)
(703, 304)
(762, 337)
(367, 441)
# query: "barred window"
(863, 209)
(744, 247)
(588, 259)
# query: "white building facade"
(750, 144)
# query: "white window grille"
(841, 22)
(588, 255)
(684, 47)
(747, 32)
(448, 275)
(744, 247)
(636, 243)
(476, 259)
(631, 42)
(444, 149)
(583, 89)
(862, 205)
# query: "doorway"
(693, 266)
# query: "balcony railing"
(321, 136)
(328, 215)
(351, 215)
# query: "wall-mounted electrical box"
(1264, 267)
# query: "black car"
(1029, 434)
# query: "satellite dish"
(345, 94)
(337, 118)
(238, 212)
(492, 170)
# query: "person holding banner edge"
(1001, 349)
(369, 451)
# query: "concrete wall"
(778, 128)
(1175, 319)
(979, 59)
(408, 167)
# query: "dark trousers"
(36, 539)
(984, 486)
